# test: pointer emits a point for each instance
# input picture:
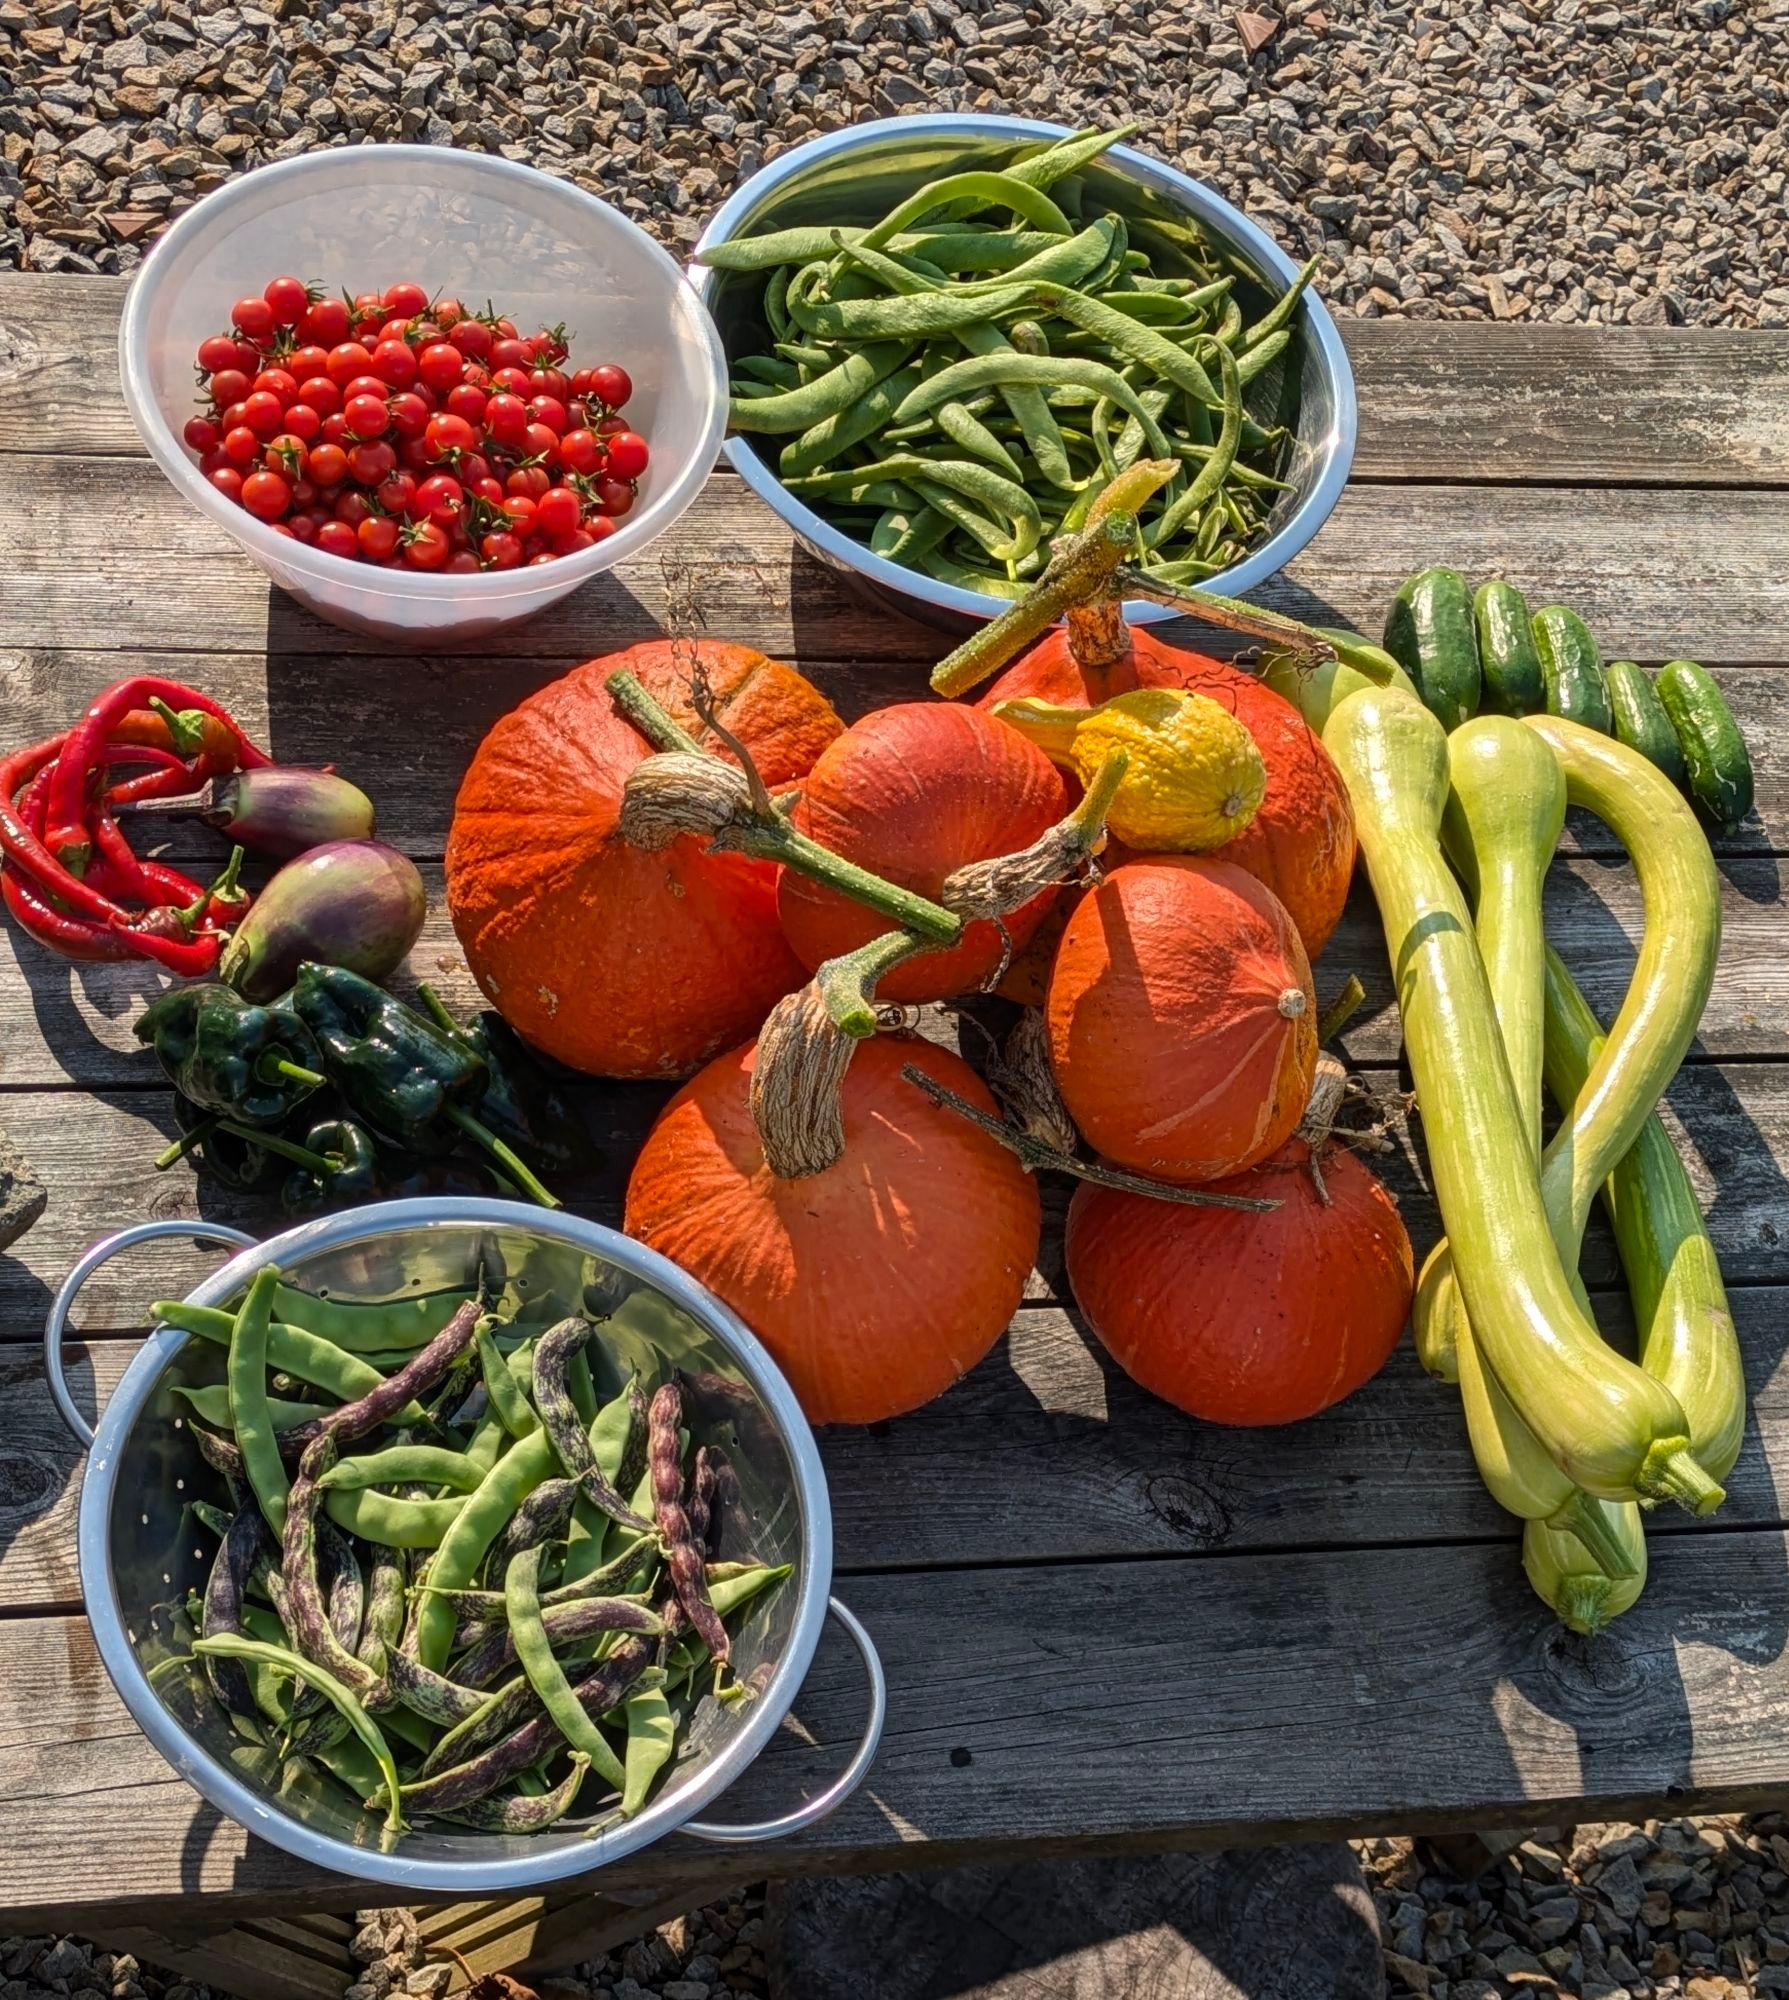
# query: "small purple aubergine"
(282, 809)
(353, 903)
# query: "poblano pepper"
(349, 1170)
(254, 1065)
(398, 1071)
(518, 1101)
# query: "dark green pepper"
(518, 1102)
(349, 1170)
(398, 1071)
(254, 1065)
(230, 1154)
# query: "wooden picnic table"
(1104, 1625)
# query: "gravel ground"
(1568, 160)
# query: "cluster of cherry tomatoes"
(393, 429)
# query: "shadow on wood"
(1270, 1923)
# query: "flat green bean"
(800, 409)
(771, 369)
(505, 1393)
(1135, 341)
(397, 1524)
(1211, 475)
(1034, 371)
(834, 435)
(250, 1417)
(1255, 359)
(361, 1327)
(210, 1402)
(291, 1349)
(962, 426)
(1279, 314)
(481, 1518)
(903, 319)
(534, 1655)
(651, 1738)
(403, 1465)
(988, 190)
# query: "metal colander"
(140, 1551)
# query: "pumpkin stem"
(1341, 1010)
(1291, 1003)
(659, 727)
(847, 984)
(1039, 1158)
(1230, 614)
(1329, 1085)
(998, 887)
(1097, 633)
(797, 1075)
(1019, 1075)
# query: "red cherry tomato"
(569, 545)
(611, 427)
(228, 481)
(464, 400)
(413, 455)
(325, 324)
(327, 464)
(512, 381)
(397, 494)
(447, 434)
(472, 337)
(241, 446)
(501, 551)
(405, 298)
(305, 362)
(409, 413)
(548, 411)
(220, 350)
(289, 299)
(506, 419)
(558, 511)
(200, 433)
(338, 538)
(394, 364)
(367, 385)
(461, 563)
(366, 416)
(323, 395)
(442, 498)
(441, 365)
(334, 429)
(304, 492)
(286, 455)
(275, 382)
(509, 352)
(347, 360)
(377, 536)
(228, 385)
(628, 454)
(231, 418)
(580, 451)
(448, 312)
(372, 461)
(549, 382)
(253, 317)
(353, 507)
(613, 496)
(531, 480)
(611, 385)
(426, 545)
(263, 412)
(542, 441)
(303, 422)
(599, 527)
(487, 488)
(266, 495)
(214, 460)
(302, 527)
(520, 509)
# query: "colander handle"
(848, 1779)
(56, 1324)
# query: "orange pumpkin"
(1301, 840)
(618, 961)
(912, 793)
(1248, 1318)
(1183, 1024)
(876, 1282)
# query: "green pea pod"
(801, 409)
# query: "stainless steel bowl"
(857, 175)
(140, 1553)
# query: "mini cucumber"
(1429, 632)
(1714, 752)
(1513, 681)
(1573, 668)
(1640, 719)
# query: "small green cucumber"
(1720, 770)
(1640, 719)
(1428, 631)
(1514, 683)
(1573, 668)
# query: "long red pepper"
(66, 833)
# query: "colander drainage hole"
(180, 1486)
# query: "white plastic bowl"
(461, 223)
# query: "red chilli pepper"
(72, 937)
(66, 831)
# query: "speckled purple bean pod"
(505, 1708)
(429, 1694)
(565, 1624)
(701, 1511)
(305, 1615)
(520, 1814)
(684, 1556)
(539, 1518)
(562, 1424)
(221, 1610)
(600, 1691)
(411, 1382)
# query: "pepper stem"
(276, 1069)
(228, 886)
(189, 1141)
(287, 1149)
(1037, 1157)
(512, 1162)
(186, 726)
(438, 1008)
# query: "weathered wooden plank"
(1125, 1474)
(1655, 573)
(1165, 1703)
(1568, 405)
(82, 1016)
(97, 1168)
(324, 707)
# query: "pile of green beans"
(449, 1577)
(955, 389)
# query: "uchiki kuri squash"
(619, 961)
(1300, 841)
(914, 792)
(1182, 1019)
(1248, 1318)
